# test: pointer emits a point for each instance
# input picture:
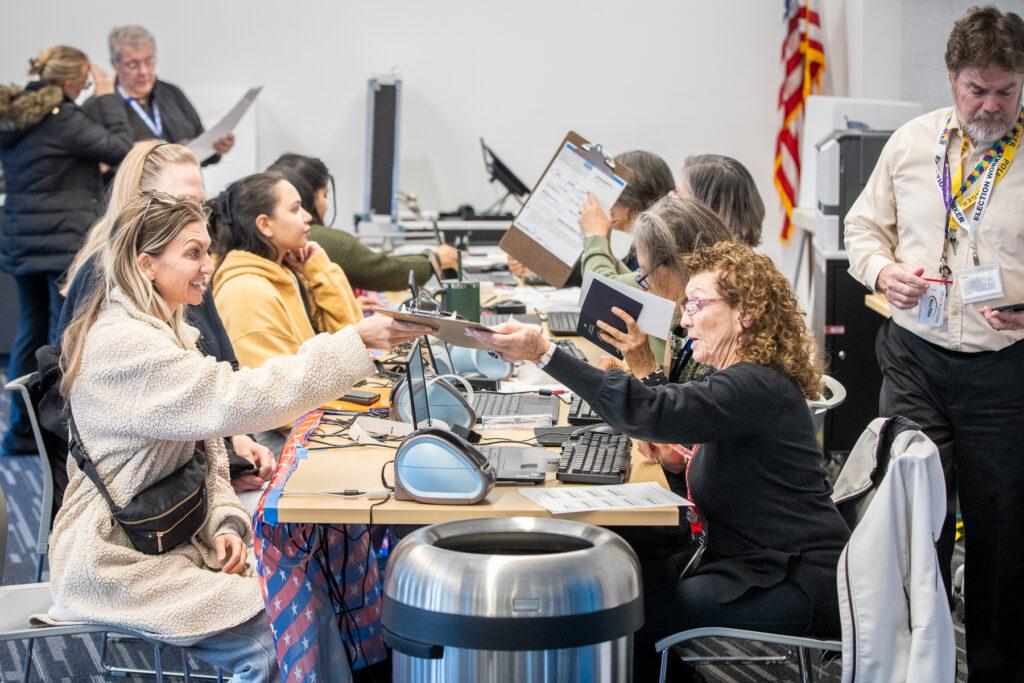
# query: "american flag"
(803, 61)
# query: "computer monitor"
(502, 173)
(383, 108)
(416, 370)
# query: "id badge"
(981, 283)
(931, 311)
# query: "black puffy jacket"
(51, 151)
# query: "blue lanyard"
(154, 123)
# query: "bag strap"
(85, 463)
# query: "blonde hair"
(137, 173)
(147, 225)
(777, 335)
(54, 65)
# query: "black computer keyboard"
(570, 347)
(595, 458)
(563, 323)
(580, 413)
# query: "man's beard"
(985, 128)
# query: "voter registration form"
(552, 212)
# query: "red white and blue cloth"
(321, 583)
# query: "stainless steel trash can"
(517, 599)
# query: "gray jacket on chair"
(893, 607)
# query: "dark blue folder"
(598, 306)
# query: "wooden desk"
(360, 468)
(878, 303)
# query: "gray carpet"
(78, 658)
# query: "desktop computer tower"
(845, 330)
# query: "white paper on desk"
(202, 146)
(562, 500)
(657, 313)
(551, 215)
(543, 299)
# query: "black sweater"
(181, 122)
(757, 477)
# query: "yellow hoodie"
(262, 309)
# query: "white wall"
(926, 27)
(677, 78)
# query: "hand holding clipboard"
(545, 236)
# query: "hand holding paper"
(219, 139)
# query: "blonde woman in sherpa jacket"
(142, 396)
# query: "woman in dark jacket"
(51, 152)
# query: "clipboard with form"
(446, 328)
(545, 236)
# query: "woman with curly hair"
(773, 534)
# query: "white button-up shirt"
(900, 217)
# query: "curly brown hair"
(984, 37)
(777, 336)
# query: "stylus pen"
(460, 265)
(438, 235)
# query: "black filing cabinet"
(845, 329)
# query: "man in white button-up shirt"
(939, 229)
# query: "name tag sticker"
(981, 284)
(931, 311)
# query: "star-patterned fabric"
(321, 583)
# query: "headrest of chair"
(866, 466)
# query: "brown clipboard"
(446, 329)
(529, 252)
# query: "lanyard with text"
(692, 513)
(982, 180)
(154, 123)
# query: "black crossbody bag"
(165, 514)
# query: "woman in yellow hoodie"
(273, 287)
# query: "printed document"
(202, 146)
(551, 215)
(562, 500)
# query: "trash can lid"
(512, 584)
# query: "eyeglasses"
(694, 306)
(137, 64)
(642, 278)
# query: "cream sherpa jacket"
(141, 400)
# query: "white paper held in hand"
(202, 145)
(551, 215)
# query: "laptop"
(512, 465)
(494, 404)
